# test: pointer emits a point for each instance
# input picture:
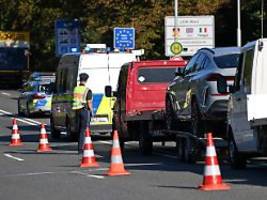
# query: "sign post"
(67, 36)
(123, 38)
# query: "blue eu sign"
(124, 38)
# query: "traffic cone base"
(45, 148)
(212, 176)
(88, 159)
(222, 186)
(117, 170)
(15, 143)
(116, 166)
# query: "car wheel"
(170, 116)
(19, 109)
(27, 110)
(54, 132)
(197, 126)
(237, 160)
(145, 140)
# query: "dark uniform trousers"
(84, 122)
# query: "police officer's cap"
(83, 77)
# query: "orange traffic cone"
(212, 176)
(43, 142)
(15, 137)
(88, 159)
(116, 167)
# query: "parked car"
(140, 93)
(36, 95)
(192, 100)
(247, 115)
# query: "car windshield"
(46, 88)
(156, 75)
(227, 61)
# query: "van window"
(247, 74)
(156, 75)
(64, 81)
(71, 78)
(227, 61)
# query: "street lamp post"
(175, 18)
(238, 24)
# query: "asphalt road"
(26, 174)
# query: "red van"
(140, 92)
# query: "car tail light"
(38, 96)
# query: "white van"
(103, 69)
(247, 110)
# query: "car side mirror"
(108, 91)
(221, 85)
(179, 71)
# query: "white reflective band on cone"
(43, 131)
(15, 136)
(116, 144)
(15, 127)
(88, 153)
(212, 170)
(87, 140)
(43, 141)
(116, 159)
(211, 151)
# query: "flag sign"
(192, 32)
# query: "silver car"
(192, 99)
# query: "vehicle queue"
(150, 104)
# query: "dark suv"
(192, 97)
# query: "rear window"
(227, 61)
(156, 75)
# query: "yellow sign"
(176, 48)
(9, 38)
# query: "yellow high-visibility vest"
(79, 97)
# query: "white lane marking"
(88, 175)
(4, 93)
(141, 164)
(13, 157)
(24, 120)
(165, 155)
(103, 142)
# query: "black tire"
(27, 112)
(170, 116)
(237, 160)
(54, 132)
(189, 151)
(197, 125)
(20, 113)
(145, 140)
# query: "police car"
(36, 94)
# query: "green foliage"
(99, 17)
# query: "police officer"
(82, 103)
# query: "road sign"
(176, 48)
(192, 32)
(67, 36)
(124, 38)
